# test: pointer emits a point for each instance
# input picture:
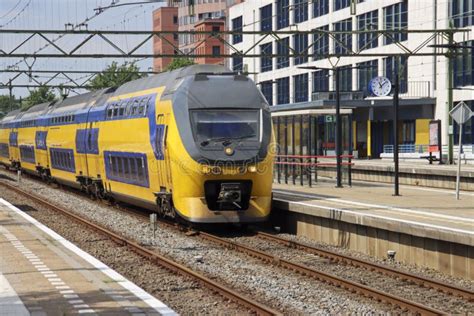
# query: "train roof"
(80, 102)
(10, 116)
(168, 78)
(36, 110)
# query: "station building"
(423, 80)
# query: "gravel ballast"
(274, 286)
(185, 296)
(282, 289)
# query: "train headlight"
(229, 151)
(252, 169)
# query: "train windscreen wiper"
(225, 140)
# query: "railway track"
(385, 270)
(331, 279)
(239, 298)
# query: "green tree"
(179, 63)
(40, 95)
(115, 75)
(7, 105)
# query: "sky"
(54, 15)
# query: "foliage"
(6, 105)
(179, 63)
(115, 75)
(40, 95)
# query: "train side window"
(133, 169)
(141, 107)
(126, 168)
(141, 173)
(109, 111)
(115, 112)
(128, 110)
(119, 166)
(122, 105)
(113, 165)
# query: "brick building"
(185, 15)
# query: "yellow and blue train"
(193, 143)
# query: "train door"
(163, 164)
(92, 146)
(81, 159)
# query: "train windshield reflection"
(220, 125)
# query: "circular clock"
(380, 86)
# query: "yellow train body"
(140, 144)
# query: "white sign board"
(461, 113)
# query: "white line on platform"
(154, 303)
(378, 216)
(391, 208)
(10, 302)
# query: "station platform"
(416, 173)
(41, 273)
(422, 225)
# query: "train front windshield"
(221, 125)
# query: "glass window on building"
(267, 90)
(367, 22)
(266, 63)
(321, 43)
(300, 44)
(237, 26)
(283, 13)
(341, 4)
(300, 11)
(320, 8)
(300, 88)
(464, 66)
(390, 66)
(396, 18)
(408, 132)
(283, 48)
(266, 16)
(237, 63)
(283, 90)
(343, 42)
(216, 51)
(321, 81)
(366, 72)
(461, 12)
(345, 79)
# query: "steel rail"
(239, 298)
(336, 257)
(326, 277)
(322, 276)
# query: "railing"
(406, 149)
(296, 166)
(418, 89)
(423, 148)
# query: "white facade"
(430, 72)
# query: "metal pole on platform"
(338, 130)
(395, 131)
(458, 174)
